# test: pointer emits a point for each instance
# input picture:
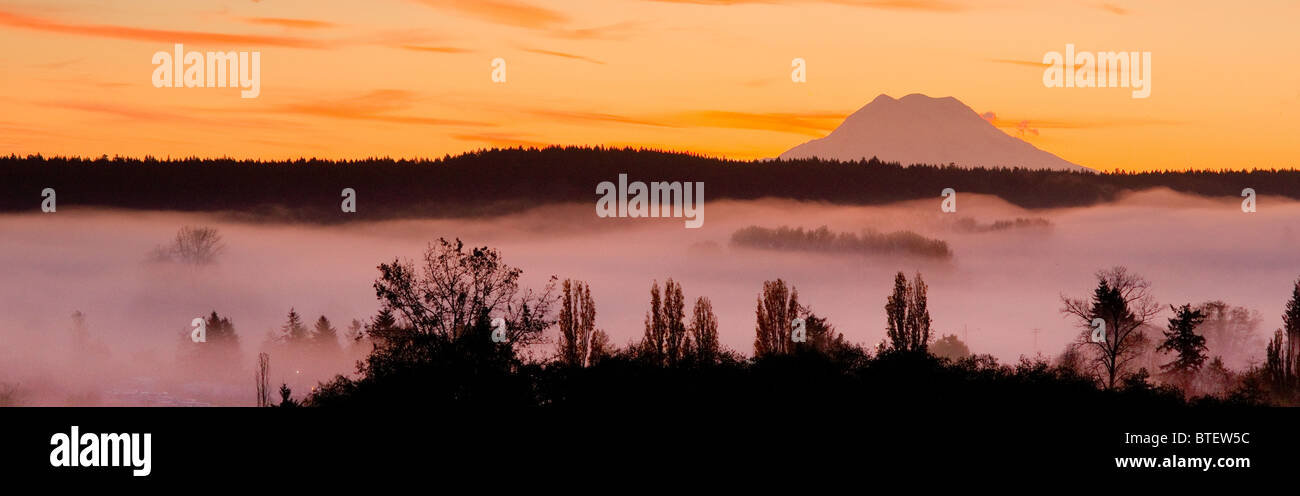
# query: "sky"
(413, 78)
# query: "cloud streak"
(1021, 123)
(373, 106)
(810, 124)
(597, 117)
(435, 49)
(507, 12)
(1114, 9)
(563, 55)
(901, 5)
(288, 23)
(151, 35)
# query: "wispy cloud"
(133, 112)
(285, 22)
(58, 64)
(84, 80)
(521, 14)
(615, 31)
(376, 105)
(435, 49)
(1114, 9)
(1033, 125)
(594, 117)
(914, 5)
(811, 124)
(563, 54)
(508, 12)
(152, 35)
(1022, 63)
(146, 115)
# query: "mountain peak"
(922, 96)
(920, 129)
(883, 98)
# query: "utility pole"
(1035, 331)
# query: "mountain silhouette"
(918, 129)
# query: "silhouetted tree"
(383, 328)
(220, 353)
(263, 380)
(907, 324)
(1232, 332)
(918, 314)
(1289, 355)
(703, 343)
(1216, 378)
(454, 186)
(1124, 303)
(355, 336)
(950, 347)
(896, 315)
(455, 287)
(1181, 339)
(600, 348)
(434, 343)
(221, 332)
(675, 343)
(577, 323)
(324, 337)
(286, 397)
(1275, 358)
(656, 333)
(823, 240)
(192, 245)
(821, 334)
(777, 307)
(664, 340)
(293, 332)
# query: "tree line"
(432, 344)
(517, 179)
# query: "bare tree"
(778, 305)
(1124, 304)
(665, 339)
(456, 288)
(675, 343)
(577, 323)
(598, 347)
(907, 314)
(263, 382)
(703, 343)
(192, 245)
(652, 342)
(918, 313)
(1233, 333)
(1291, 324)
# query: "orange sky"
(408, 78)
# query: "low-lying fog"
(993, 293)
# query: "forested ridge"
(498, 181)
